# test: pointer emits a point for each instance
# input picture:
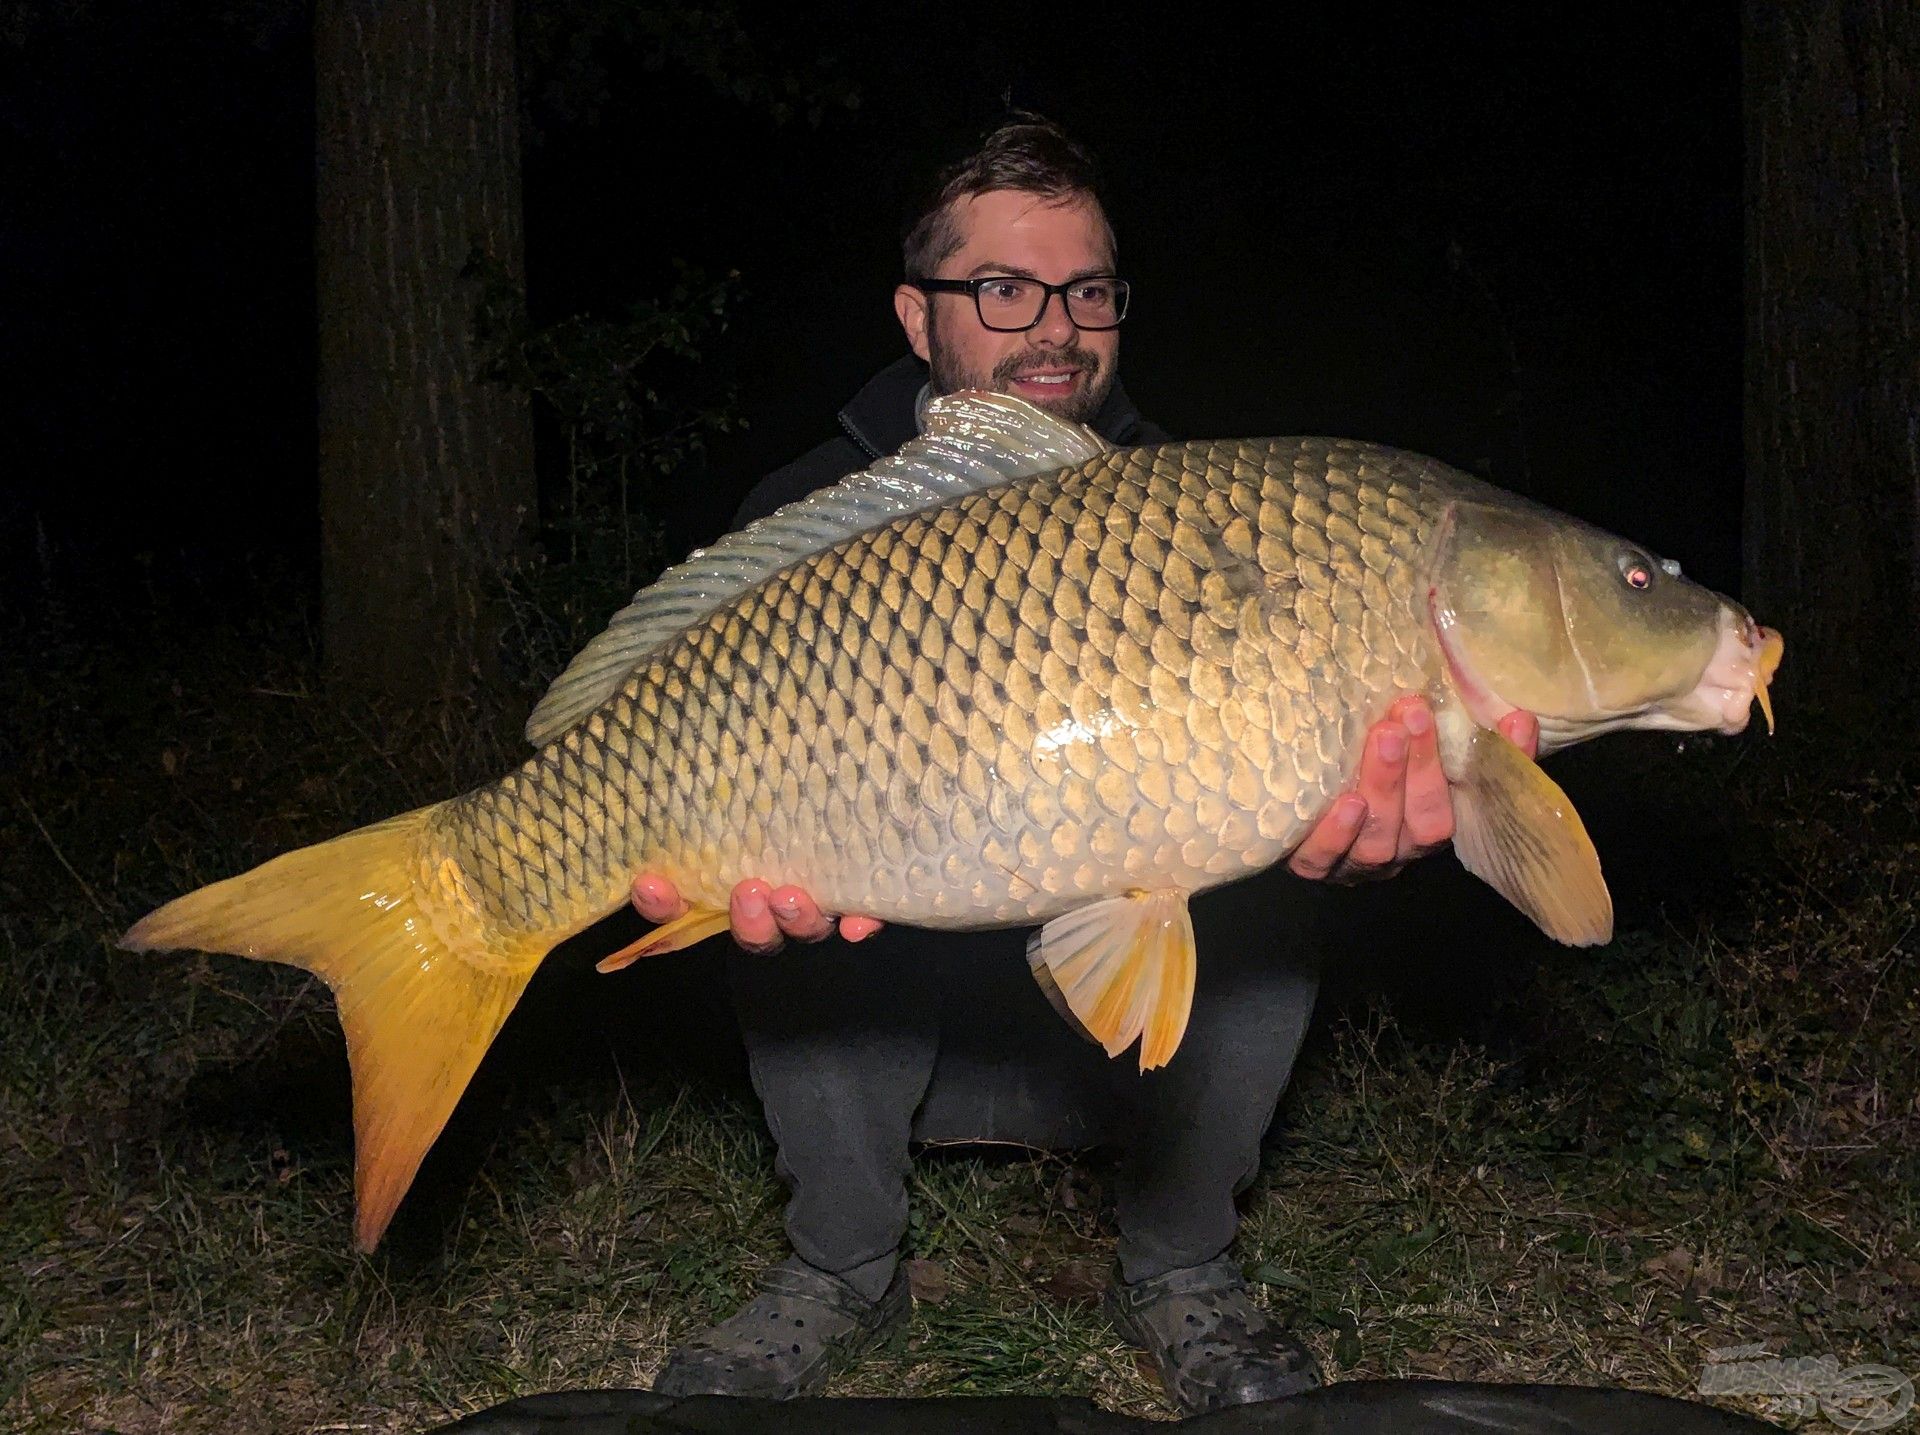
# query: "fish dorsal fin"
(973, 440)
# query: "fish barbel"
(1009, 676)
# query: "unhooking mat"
(1360, 1407)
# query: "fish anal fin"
(696, 924)
(1518, 832)
(1122, 970)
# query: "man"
(858, 1049)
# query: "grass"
(1591, 1167)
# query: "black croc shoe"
(1211, 1344)
(801, 1328)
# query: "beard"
(948, 374)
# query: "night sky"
(1512, 241)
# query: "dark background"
(1511, 239)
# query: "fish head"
(1590, 632)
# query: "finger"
(1383, 783)
(657, 899)
(1428, 821)
(798, 915)
(751, 918)
(1522, 729)
(1330, 838)
(858, 929)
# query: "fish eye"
(1637, 570)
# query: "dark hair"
(1028, 153)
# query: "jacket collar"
(881, 416)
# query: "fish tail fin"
(422, 979)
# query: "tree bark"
(426, 472)
(1832, 537)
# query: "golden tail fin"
(422, 984)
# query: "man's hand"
(1402, 808)
(763, 917)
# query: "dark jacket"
(881, 418)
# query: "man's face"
(1065, 370)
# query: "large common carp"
(1008, 676)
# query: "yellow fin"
(696, 924)
(1122, 969)
(1517, 831)
(422, 985)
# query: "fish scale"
(1148, 670)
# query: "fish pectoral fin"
(1517, 831)
(696, 924)
(1122, 969)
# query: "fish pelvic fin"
(1518, 832)
(422, 980)
(1120, 970)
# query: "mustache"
(1015, 365)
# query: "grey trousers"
(858, 1050)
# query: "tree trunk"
(426, 472)
(1833, 376)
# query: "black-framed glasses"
(1009, 304)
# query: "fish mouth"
(1736, 677)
